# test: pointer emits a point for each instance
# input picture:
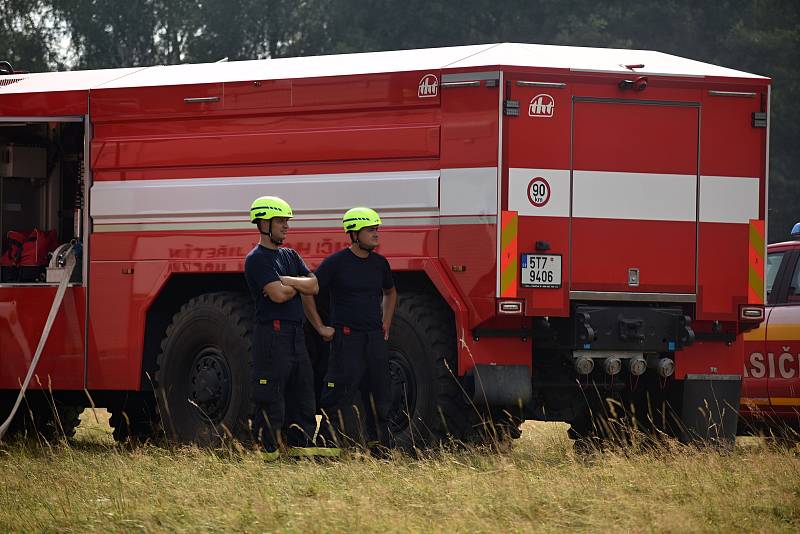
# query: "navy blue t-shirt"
(262, 266)
(356, 287)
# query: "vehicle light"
(751, 313)
(796, 231)
(510, 307)
(612, 365)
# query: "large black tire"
(136, 419)
(430, 405)
(41, 416)
(203, 377)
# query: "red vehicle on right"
(771, 378)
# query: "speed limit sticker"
(538, 192)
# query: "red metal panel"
(185, 248)
(362, 92)
(501, 351)
(710, 357)
(52, 104)
(635, 138)
(469, 127)
(136, 102)
(233, 145)
(279, 147)
(23, 312)
(722, 271)
(328, 93)
(256, 95)
(266, 169)
(604, 250)
(541, 142)
(117, 306)
(469, 253)
(554, 231)
(730, 146)
(469, 140)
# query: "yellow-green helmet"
(357, 218)
(268, 207)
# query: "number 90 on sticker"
(541, 270)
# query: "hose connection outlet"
(665, 367)
(612, 366)
(637, 366)
(584, 365)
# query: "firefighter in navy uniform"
(283, 392)
(362, 303)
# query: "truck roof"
(456, 58)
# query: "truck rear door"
(634, 196)
(602, 186)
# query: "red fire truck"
(572, 231)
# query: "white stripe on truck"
(635, 196)
(414, 198)
(726, 199)
(407, 193)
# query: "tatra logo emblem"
(542, 105)
(428, 86)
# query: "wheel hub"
(210, 384)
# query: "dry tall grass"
(92, 485)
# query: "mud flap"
(710, 410)
(502, 385)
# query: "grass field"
(90, 484)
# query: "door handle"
(200, 99)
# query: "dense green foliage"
(760, 36)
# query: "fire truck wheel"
(203, 375)
(135, 420)
(47, 418)
(429, 406)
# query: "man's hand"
(326, 332)
(386, 332)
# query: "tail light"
(509, 307)
(752, 313)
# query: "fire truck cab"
(577, 234)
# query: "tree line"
(760, 36)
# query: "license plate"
(541, 270)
